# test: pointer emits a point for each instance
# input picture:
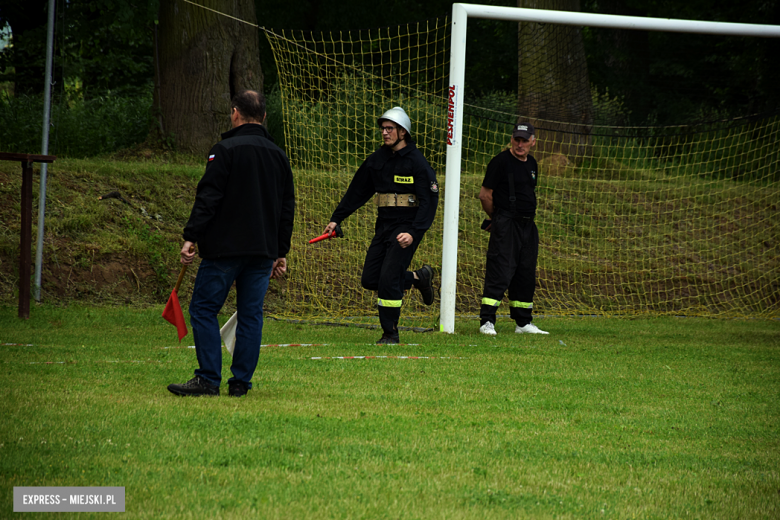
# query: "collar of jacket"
(410, 145)
(248, 129)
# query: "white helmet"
(397, 116)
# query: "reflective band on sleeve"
(490, 301)
(524, 305)
(388, 303)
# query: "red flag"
(173, 315)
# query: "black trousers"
(511, 264)
(385, 269)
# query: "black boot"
(194, 387)
(238, 388)
(424, 283)
(389, 338)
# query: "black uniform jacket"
(405, 171)
(245, 202)
(525, 175)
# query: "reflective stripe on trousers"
(511, 265)
(497, 303)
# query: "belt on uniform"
(405, 200)
(509, 214)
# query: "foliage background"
(105, 49)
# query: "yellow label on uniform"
(403, 180)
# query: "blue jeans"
(212, 285)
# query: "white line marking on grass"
(296, 345)
(132, 361)
(96, 361)
(320, 358)
(270, 345)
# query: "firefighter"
(508, 197)
(406, 192)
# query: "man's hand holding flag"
(172, 312)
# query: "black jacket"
(245, 202)
(405, 171)
(525, 175)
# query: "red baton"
(323, 237)
(333, 234)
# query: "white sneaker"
(529, 329)
(488, 328)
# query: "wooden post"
(25, 234)
(25, 247)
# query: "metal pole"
(44, 151)
(612, 21)
(449, 255)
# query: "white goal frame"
(460, 15)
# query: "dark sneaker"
(424, 283)
(389, 338)
(238, 388)
(195, 387)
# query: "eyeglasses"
(386, 129)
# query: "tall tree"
(671, 78)
(203, 58)
(101, 45)
(27, 54)
(108, 45)
(553, 86)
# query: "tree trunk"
(204, 58)
(553, 85)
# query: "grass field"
(603, 418)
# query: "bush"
(79, 128)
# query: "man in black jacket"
(242, 221)
(405, 189)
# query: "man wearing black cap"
(509, 199)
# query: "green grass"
(603, 418)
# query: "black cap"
(524, 130)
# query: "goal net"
(634, 218)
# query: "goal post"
(654, 200)
(455, 103)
